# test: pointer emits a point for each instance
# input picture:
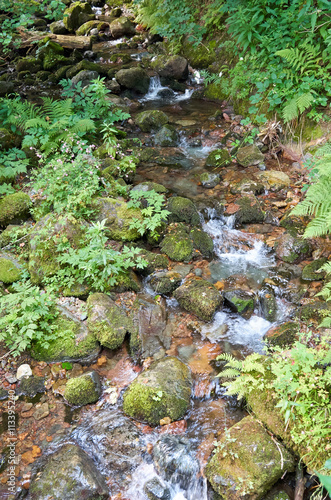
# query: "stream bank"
(226, 273)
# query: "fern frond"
(84, 125)
(36, 123)
(233, 362)
(304, 101)
(290, 110)
(56, 110)
(318, 227)
(229, 373)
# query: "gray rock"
(85, 77)
(134, 79)
(122, 26)
(199, 297)
(155, 490)
(292, 249)
(166, 137)
(151, 120)
(23, 371)
(175, 67)
(249, 155)
(165, 282)
(58, 28)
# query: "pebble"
(23, 371)
(41, 412)
(11, 379)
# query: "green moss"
(151, 120)
(11, 234)
(8, 139)
(74, 343)
(202, 56)
(85, 28)
(9, 272)
(28, 64)
(183, 210)
(83, 390)
(14, 207)
(250, 211)
(282, 335)
(177, 246)
(77, 14)
(293, 224)
(312, 271)
(84, 65)
(214, 92)
(199, 297)
(161, 391)
(202, 242)
(118, 218)
(155, 261)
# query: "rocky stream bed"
(131, 408)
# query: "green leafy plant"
(27, 315)
(154, 214)
(12, 163)
(95, 264)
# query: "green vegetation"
(153, 215)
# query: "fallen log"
(66, 41)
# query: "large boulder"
(122, 26)
(183, 210)
(151, 120)
(202, 242)
(292, 249)
(247, 462)
(149, 323)
(174, 68)
(135, 79)
(164, 390)
(249, 155)
(118, 218)
(199, 297)
(85, 77)
(46, 235)
(68, 473)
(74, 343)
(10, 270)
(84, 389)
(177, 244)
(14, 208)
(282, 335)
(107, 321)
(77, 14)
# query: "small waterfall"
(157, 91)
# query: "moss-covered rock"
(177, 244)
(199, 297)
(219, 158)
(85, 28)
(151, 120)
(84, 77)
(314, 312)
(155, 261)
(122, 26)
(247, 462)
(8, 139)
(274, 180)
(165, 282)
(163, 390)
(58, 28)
(245, 185)
(14, 208)
(10, 270)
(202, 242)
(182, 210)
(166, 136)
(209, 180)
(12, 233)
(84, 389)
(52, 54)
(30, 386)
(28, 64)
(74, 342)
(68, 473)
(174, 67)
(84, 65)
(291, 249)
(293, 224)
(249, 212)
(202, 56)
(268, 303)
(150, 186)
(6, 88)
(135, 79)
(46, 235)
(77, 14)
(282, 335)
(240, 301)
(249, 155)
(118, 218)
(107, 321)
(313, 271)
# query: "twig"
(280, 451)
(300, 484)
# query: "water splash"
(157, 92)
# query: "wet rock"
(313, 312)
(122, 26)
(41, 412)
(68, 473)
(199, 297)
(31, 386)
(154, 261)
(175, 67)
(275, 180)
(313, 271)
(84, 389)
(240, 302)
(282, 335)
(246, 186)
(165, 282)
(150, 186)
(219, 158)
(147, 334)
(202, 242)
(58, 28)
(293, 224)
(209, 181)
(23, 371)
(118, 218)
(155, 490)
(177, 244)
(6, 88)
(174, 459)
(183, 210)
(46, 234)
(14, 208)
(166, 137)
(249, 155)
(134, 79)
(268, 303)
(247, 461)
(107, 321)
(121, 448)
(77, 14)
(292, 249)
(76, 344)
(10, 270)
(151, 120)
(163, 390)
(86, 28)
(85, 77)
(249, 211)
